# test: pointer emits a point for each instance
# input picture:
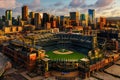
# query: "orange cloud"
(7, 4)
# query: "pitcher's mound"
(62, 51)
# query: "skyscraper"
(58, 21)
(84, 20)
(32, 16)
(53, 21)
(82, 17)
(37, 20)
(25, 13)
(19, 19)
(46, 18)
(3, 18)
(74, 17)
(8, 15)
(101, 23)
(66, 22)
(61, 20)
(91, 14)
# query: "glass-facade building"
(91, 14)
(8, 14)
(82, 17)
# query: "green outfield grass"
(74, 56)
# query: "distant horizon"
(106, 8)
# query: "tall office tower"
(19, 19)
(82, 17)
(74, 17)
(58, 21)
(15, 21)
(91, 14)
(46, 18)
(66, 22)
(84, 20)
(52, 19)
(32, 16)
(61, 20)
(3, 18)
(101, 23)
(8, 14)
(8, 17)
(91, 18)
(25, 13)
(37, 20)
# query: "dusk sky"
(107, 8)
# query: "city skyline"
(107, 8)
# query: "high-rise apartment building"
(66, 22)
(74, 17)
(91, 19)
(19, 19)
(101, 22)
(8, 15)
(25, 13)
(32, 16)
(82, 17)
(37, 20)
(61, 20)
(3, 18)
(58, 21)
(53, 21)
(46, 18)
(84, 20)
(91, 15)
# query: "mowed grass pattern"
(62, 57)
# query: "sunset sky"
(107, 8)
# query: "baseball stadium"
(67, 53)
(62, 55)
